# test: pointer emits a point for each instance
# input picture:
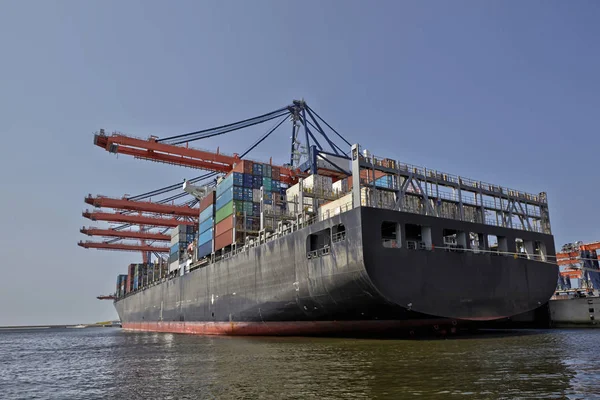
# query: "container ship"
(345, 243)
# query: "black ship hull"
(357, 286)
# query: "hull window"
(338, 233)
(418, 237)
(318, 244)
(390, 234)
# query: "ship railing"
(391, 243)
(323, 251)
(455, 179)
(338, 237)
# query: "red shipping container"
(224, 226)
(207, 201)
(128, 284)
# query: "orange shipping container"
(244, 166)
(223, 240)
(224, 225)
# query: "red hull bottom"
(294, 328)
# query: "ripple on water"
(110, 363)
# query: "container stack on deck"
(121, 285)
(181, 237)
(238, 199)
(318, 186)
(206, 226)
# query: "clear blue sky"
(506, 92)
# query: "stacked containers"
(121, 279)
(181, 236)
(207, 222)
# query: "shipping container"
(256, 182)
(256, 209)
(266, 184)
(275, 186)
(224, 198)
(268, 197)
(207, 224)
(205, 249)
(385, 181)
(225, 184)
(248, 179)
(227, 239)
(225, 225)
(207, 201)
(207, 213)
(267, 170)
(247, 194)
(238, 179)
(257, 169)
(224, 212)
(244, 166)
(224, 239)
(205, 237)
(275, 173)
(256, 195)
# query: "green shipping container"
(239, 206)
(248, 207)
(224, 212)
(227, 210)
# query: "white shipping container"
(340, 186)
(335, 207)
(173, 266)
(256, 195)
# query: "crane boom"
(122, 247)
(125, 234)
(151, 150)
(135, 219)
(146, 206)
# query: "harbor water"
(109, 363)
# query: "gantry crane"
(574, 257)
(305, 158)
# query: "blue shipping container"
(275, 186)
(205, 249)
(204, 226)
(257, 169)
(206, 214)
(224, 185)
(176, 247)
(225, 198)
(256, 182)
(247, 194)
(238, 179)
(248, 179)
(205, 237)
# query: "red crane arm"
(145, 206)
(135, 219)
(151, 150)
(123, 247)
(125, 234)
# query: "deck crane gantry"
(575, 259)
(308, 157)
